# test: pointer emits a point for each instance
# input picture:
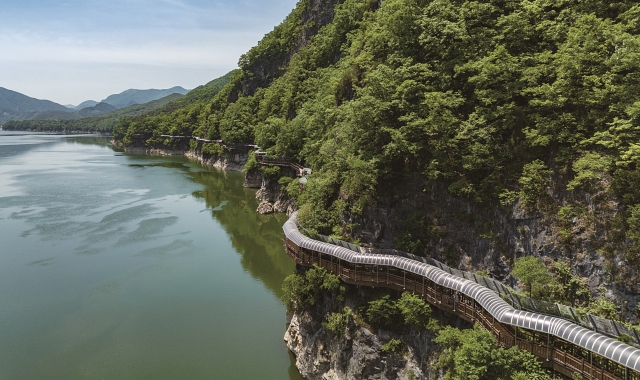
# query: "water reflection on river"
(134, 267)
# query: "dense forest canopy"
(492, 97)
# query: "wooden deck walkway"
(261, 157)
(556, 354)
(562, 356)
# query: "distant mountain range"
(132, 97)
(85, 104)
(105, 122)
(101, 122)
(96, 110)
(16, 106)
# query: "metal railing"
(593, 322)
(261, 157)
(553, 353)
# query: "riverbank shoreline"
(271, 195)
(120, 266)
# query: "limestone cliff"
(425, 217)
(358, 353)
(273, 198)
(227, 161)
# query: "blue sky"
(71, 51)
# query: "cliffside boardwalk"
(560, 344)
(262, 157)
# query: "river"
(134, 267)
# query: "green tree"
(394, 346)
(533, 182)
(382, 312)
(302, 291)
(337, 322)
(570, 288)
(589, 169)
(414, 310)
(633, 222)
(602, 307)
(530, 271)
(473, 354)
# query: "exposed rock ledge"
(358, 354)
(273, 198)
(230, 161)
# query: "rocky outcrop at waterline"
(228, 161)
(358, 353)
(274, 198)
(253, 179)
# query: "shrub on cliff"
(252, 163)
(302, 291)
(473, 354)
(385, 312)
(337, 322)
(211, 149)
(415, 311)
(529, 270)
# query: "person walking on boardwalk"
(456, 299)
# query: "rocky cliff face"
(253, 179)
(474, 237)
(155, 151)
(228, 161)
(233, 161)
(358, 353)
(273, 198)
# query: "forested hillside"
(493, 98)
(83, 121)
(105, 122)
(14, 105)
(479, 132)
(132, 96)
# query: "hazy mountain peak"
(85, 104)
(16, 106)
(134, 96)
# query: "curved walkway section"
(555, 340)
(262, 157)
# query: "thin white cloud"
(195, 48)
(88, 49)
(179, 4)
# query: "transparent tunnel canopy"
(563, 322)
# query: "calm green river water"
(115, 266)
